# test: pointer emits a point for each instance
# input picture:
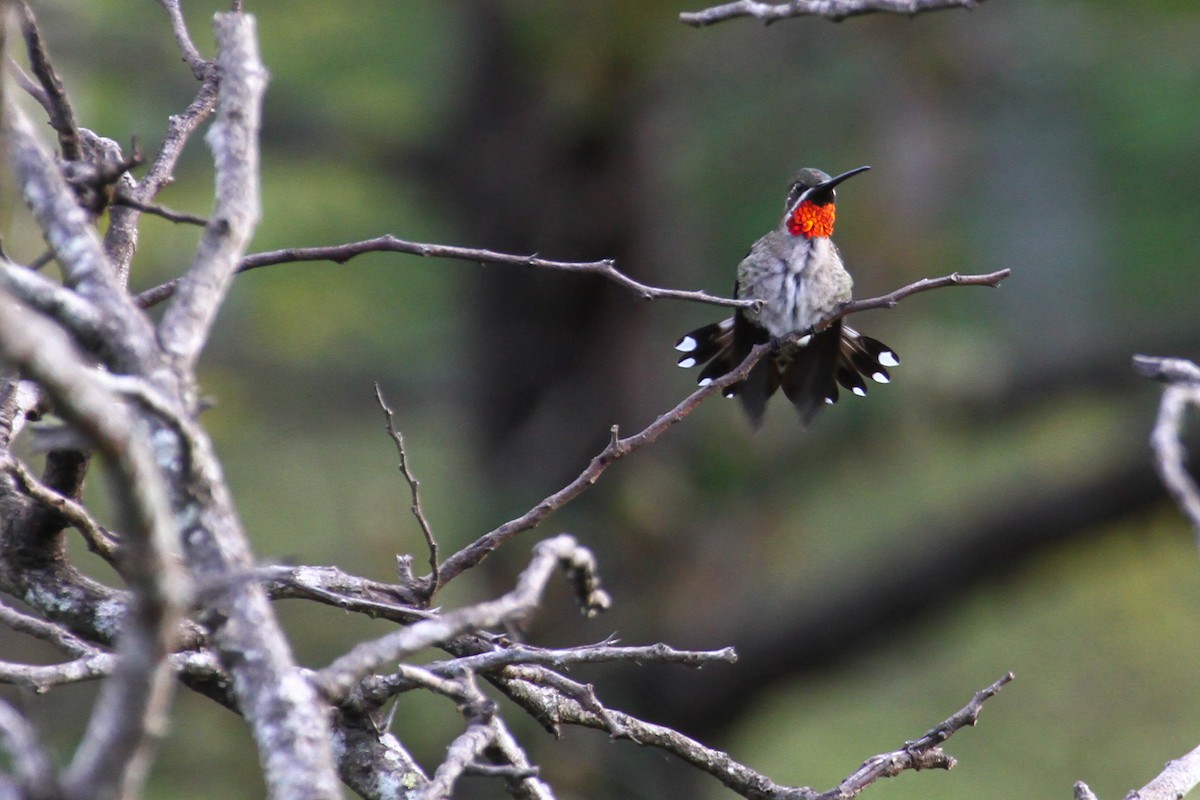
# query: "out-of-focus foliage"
(1056, 138)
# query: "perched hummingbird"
(796, 274)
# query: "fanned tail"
(809, 373)
(721, 347)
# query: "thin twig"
(47, 631)
(834, 10)
(120, 241)
(588, 654)
(98, 540)
(123, 199)
(890, 300)
(191, 56)
(465, 750)
(524, 783)
(414, 487)
(922, 753)
(339, 254)
(234, 141)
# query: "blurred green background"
(993, 509)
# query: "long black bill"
(827, 186)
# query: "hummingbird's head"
(810, 209)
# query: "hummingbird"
(796, 274)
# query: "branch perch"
(618, 448)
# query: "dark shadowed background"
(993, 509)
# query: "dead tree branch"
(233, 139)
(922, 753)
(833, 10)
(341, 253)
(337, 679)
(114, 754)
(1177, 779)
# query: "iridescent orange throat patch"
(811, 220)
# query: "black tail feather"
(809, 374)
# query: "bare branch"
(920, 754)
(233, 139)
(128, 339)
(1180, 777)
(618, 448)
(923, 753)
(62, 118)
(892, 299)
(834, 10)
(524, 782)
(79, 316)
(41, 677)
(120, 241)
(112, 757)
(334, 587)
(589, 654)
(1183, 389)
(414, 487)
(462, 752)
(99, 541)
(339, 254)
(51, 632)
(123, 199)
(191, 56)
(337, 679)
